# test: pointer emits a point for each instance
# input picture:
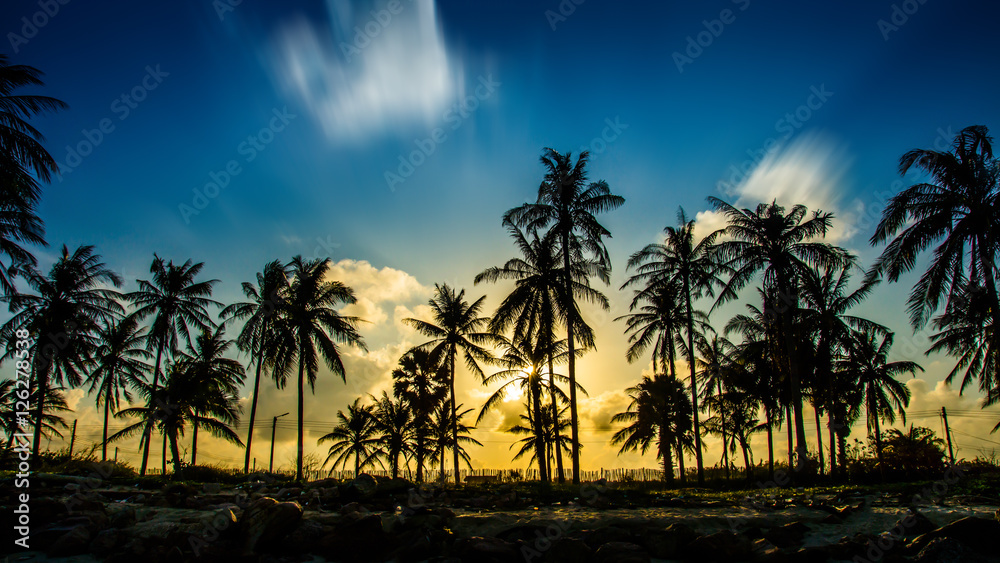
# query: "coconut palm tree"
(719, 375)
(692, 267)
(656, 321)
(783, 246)
(177, 304)
(567, 204)
(534, 308)
(355, 435)
(827, 301)
(52, 423)
(444, 430)
(456, 327)
(257, 314)
(659, 411)
(966, 331)
(419, 383)
(23, 163)
(883, 395)
(308, 327)
(548, 438)
(523, 364)
(395, 424)
(121, 361)
(217, 378)
(63, 316)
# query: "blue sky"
(223, 75)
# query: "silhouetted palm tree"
(120, 360)
(258, 315)
(419, 382)
(456, 326)
(355, 435)
(23, 162)
(719, 375)
(52, 423)
(395, 424)
(883, 395)
(534, 309)
(783, 247)
(62, 317)
(218, 380)
(177, 303)
(308, 327)
(660, 411)
(658, 324)
(445, 428)
(694, 271)
(567, 204)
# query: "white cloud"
(369, 70)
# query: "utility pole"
(72, 440)
(116, 454)
(274, 424)
(947, 433)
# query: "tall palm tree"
(692, 266)
(355, 435)
(656, 321)
(52, 422)
(63, 315)
(418, 381)
(395, 424)
(567, 204)
(456, 327)
(827, 301)
(23, 163)
(883, 395)
(218, 379)
(548, 438)
(719, 374)
(120, 361)
(534, 308)
(257, 314)
(177, 304)
(783, 246)
(958, 207)
(660, 411)
(309, 326)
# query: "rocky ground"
(366, 520)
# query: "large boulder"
(978, 534)
(265, 521)
(361, 539)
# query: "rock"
(661, 544)
(947, 550)
(566, 550)
(720, 546)
(789, 535)
(124, 517)
(303, 538)
(914, 524)
(211, 488)
(685, 534)
(620, 552)
(265, 521)
(45, 511)
(359, 540)
(600, 536)
(979, 534)
(74, 541)
(487, 550)
(395, 486)
(85, 502)
(106, 541)
(288, 493)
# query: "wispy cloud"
(372, 67)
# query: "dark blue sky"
(320, 172)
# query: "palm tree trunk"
(819, 439)
(788, 427)
(163, 469)
(357, 463)
(253, 412)
(795, 382)
(420, 453)
(878, 437)
(301, 389)
(571, 367)
(725, 447)
(40, 413)
(680, 459)
(147, 431)
(770, 444)
(454, 418)
(175, 451)
(536, 410)
(833, 441)
(746, 460)
(107, 412)
(194, 444)
(555, 421)
(694, 384)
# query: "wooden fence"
(513, 475)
